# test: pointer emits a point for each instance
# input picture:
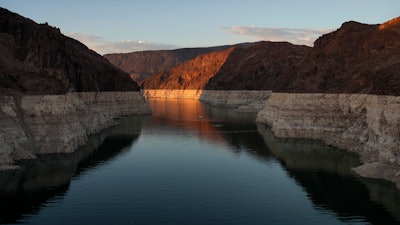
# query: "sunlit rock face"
(141, 65)
(192, 74)
(36, 124)
(365, 124)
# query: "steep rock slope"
(192, 74)
(141, 65)
(38, 59)
(263, 66)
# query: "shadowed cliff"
(356, 58)
(263, 66)
(38, 59)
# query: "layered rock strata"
(366, 124)
(35, 124)
(243, 101)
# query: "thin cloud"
(292, 35)
(101, 46)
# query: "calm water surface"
(192, 164)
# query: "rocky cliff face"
(365, 124)
(238, 68)
(36, 124)
(192, 74)
(38, 59)
(263, 66)
(356, 58)
(140, 65)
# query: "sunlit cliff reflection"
(212, 124)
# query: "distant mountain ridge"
(142, 64)
(356, 58)
(38, 59)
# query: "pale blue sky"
(124, 26)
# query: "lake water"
(193, 164)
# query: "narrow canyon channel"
(190, 163)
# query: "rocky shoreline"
(365, 124)
(240, 101)
(368, 125)
(37, 124)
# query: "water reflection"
(213, 124)
(325, 174)
(165, 181)
(45, 180)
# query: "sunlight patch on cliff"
(391, 24)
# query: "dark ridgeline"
(38, 59)
(356, 58)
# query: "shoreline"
(239, 101)
(37, 124)
(366, 124)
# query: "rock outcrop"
(38, 59)
(190, 75)
(365, 124)
(140, 65)
(36, 124)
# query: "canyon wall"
(143, 64)
(366, 124)
(243, 101)
(36, 124)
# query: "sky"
(121, 26)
